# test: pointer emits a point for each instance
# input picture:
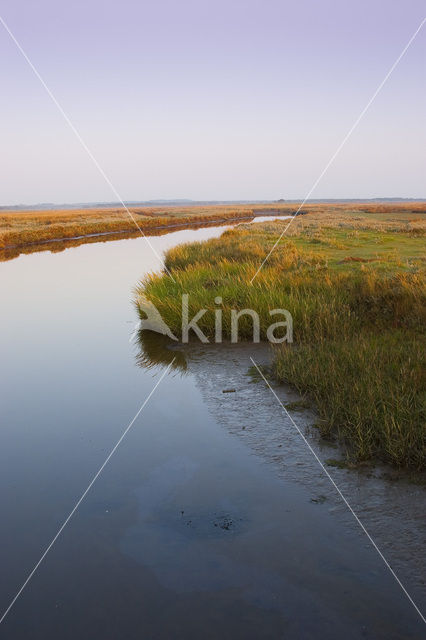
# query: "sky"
(211, 99)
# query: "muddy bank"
(392, 512)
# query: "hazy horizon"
(207, 98)
(112, 203)
(177, 201)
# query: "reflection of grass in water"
(164, 227)
(155, 350)
(253, 373)
(24, 227)
(298, 405)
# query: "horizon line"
(190, 201)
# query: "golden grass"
(355, 287)
(22, 228)
(18, 229)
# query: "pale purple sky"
(219, 99)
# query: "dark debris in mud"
(224, 523)
(210, 524)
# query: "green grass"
(298, 405)
(356, 292)
(369, 390)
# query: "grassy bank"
(354, 284)
(22, 229)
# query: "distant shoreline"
(149, 230)
(50, 206)
(20, 229)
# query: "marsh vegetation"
(21, 228)
(354, 284)
(26, 231)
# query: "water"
(187, 532)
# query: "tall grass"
(41, 226)
(358, 301)
(20, 228)
(369, 390)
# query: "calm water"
(186, 533)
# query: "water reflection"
(156, 349)
(204, 535)
(60, 244)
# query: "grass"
(354, 284)
(369, 390)
(24, 231)
(298, 405)
(18, 229)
